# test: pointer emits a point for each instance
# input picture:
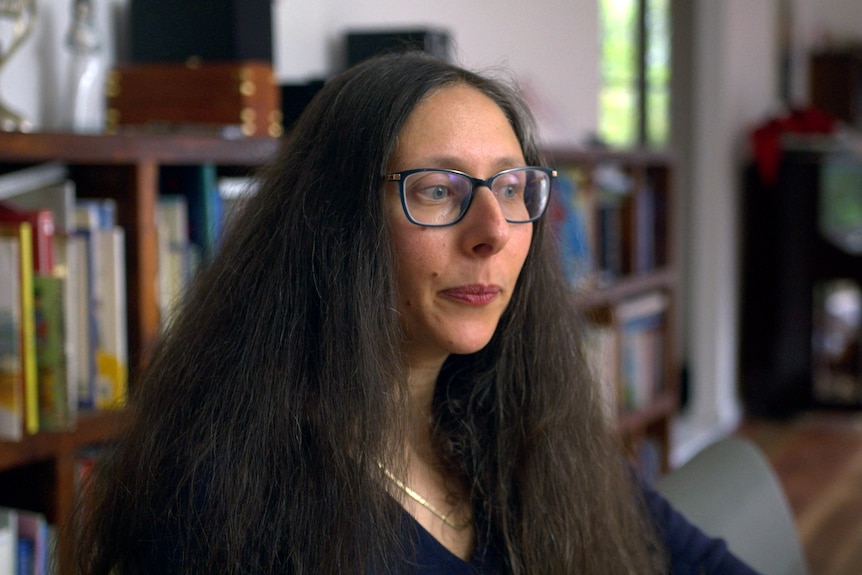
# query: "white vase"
(85, 101)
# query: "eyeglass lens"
(437, 198)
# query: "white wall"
(550, 46)
(830, 20)
(734, 86)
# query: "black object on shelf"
(294, 99)
(362, 45)
(211, 30)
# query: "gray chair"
(730, 491)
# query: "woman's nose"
(486, 228)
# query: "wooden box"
(228, 97)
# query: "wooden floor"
(818, 459)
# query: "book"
(32, 542)
(93, 218)
(234, 191)
(641, 322)
(43, 195)
(8, 541)
(111, 315)
(571, 214)
(199, 184)
(175, 252)
(27, 327)
(83, 321)
(71, 267)
(18, 180)
(42, 225)
(613, 191)
(59, 198)
(11, 359)
(645, 228)
(54, 412)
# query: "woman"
(381, 371)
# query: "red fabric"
(766, 138)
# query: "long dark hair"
(257, 427)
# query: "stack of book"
(627, 352)
(641, 321)
(63, 312)
(609, 224)
(26, 542)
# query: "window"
(634, 99)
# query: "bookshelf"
(624, 200)
(802, 283)
(126, 168)
(39, 472)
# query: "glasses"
(436, 197)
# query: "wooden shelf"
(590, 156)
(92, 428)
(134, 148)
(627, 287)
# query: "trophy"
(17, 18)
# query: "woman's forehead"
(460, 123)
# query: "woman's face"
(455, 282)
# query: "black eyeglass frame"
(400, 177)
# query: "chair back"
(730, 491)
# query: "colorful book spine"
(71, 267)
(32, 543)
(11, 360)
(570, 214)
(112, 349)
(51, 353)
(96, 219)
(8, 541)
(22, 232)
(42, 233)
(175, 255)
(199, 184)
(28, 332)
(642, 324)
(85, 319)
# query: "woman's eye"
(509, 189)
(435, 192)
(510, 192)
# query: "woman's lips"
(473, 294)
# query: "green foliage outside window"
(632, 112)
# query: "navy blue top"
(689, 550)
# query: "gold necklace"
(424, 502)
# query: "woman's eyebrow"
(458, 163)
